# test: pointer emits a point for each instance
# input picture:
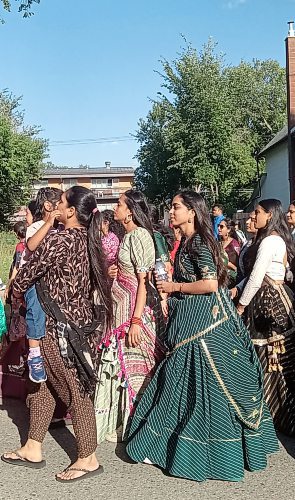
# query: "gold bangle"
(180, 288)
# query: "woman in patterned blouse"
(70, 264)
(132, 350)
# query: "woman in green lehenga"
(203, 415)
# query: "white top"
(269, 262)
(31, 230)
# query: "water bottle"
(160, 270)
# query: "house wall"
(276, 184)
(122, 185)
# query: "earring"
(127, 219)
(189, 221)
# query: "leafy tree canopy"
(21, 155)
(205, 125)
(24, 6)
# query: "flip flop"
(23, 461)
(88, 473)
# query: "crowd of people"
(193, 367)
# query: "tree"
(204, 127)
(21, 156)
(24, 6)
(155, 176)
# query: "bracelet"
(180, 288)
(136, 321)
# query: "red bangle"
(136, 321)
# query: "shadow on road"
(120, 451)
(288, 443)
(18, 412)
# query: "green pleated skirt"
(203, 414)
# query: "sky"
(88, 69)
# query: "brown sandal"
(23, 461)
(88, 473)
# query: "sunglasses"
(221, 226)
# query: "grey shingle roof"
(87, 171)
(281, 136)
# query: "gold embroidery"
(203, 332)
(215, 311)
(227, 393)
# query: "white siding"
(276, 184)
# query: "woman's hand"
(54, 215)
(240, 309)
(233, 292)
(165, 309)
(165, 286)
(134, 335)
(113, 271)
(231, 266)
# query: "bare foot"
(88, 464)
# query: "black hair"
(114, 226)
(85, 204)
(277, 224)
(32, 207)
(20, 228)
(230, 224)
(203, 227)
(165, 231)
(138, 206)
(50, 194)
(218, 205)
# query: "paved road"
(124, 480)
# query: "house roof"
(73, 172)
(281, 136)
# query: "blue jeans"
(35, 316)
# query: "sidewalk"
(123, 480)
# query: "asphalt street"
(124, 480)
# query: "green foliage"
(24, 6)
(7, 248)
(204, 127)
(21, 156)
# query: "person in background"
(203, 415)
(44, 222)
(240, 235)
(18, 326)
(3, 326)
(112, 235)
(267, 305)
(217, 214)
(177, 236)
(291, 218)
(243, 271)
(164, 238)
(230, 249)
(133, 348)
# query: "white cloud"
(232, 4)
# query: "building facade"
(107, 183)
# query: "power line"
(100, 140)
